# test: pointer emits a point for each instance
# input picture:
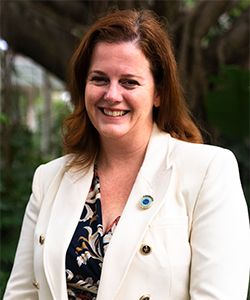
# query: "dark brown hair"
(145, 28)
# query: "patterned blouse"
(86, 250)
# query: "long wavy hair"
(149, 32)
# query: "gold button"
(145, 249)
(145, 297)
(36, 284)
(41, 239)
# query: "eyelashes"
(125, 82)
(129, 83)
(99, 80)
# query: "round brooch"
(146, 201)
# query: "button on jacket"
(195, 233)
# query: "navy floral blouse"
(86, 250)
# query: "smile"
(114, 113)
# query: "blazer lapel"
(65, 214)
(134, 221)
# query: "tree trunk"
(46, 116)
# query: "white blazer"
(197, 229)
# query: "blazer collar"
(65, 214)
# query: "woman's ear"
(157, 101)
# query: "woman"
(139, 208)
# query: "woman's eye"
(99, 80)
(129, 83)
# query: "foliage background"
(217, 93)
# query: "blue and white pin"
(146, 202)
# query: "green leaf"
(227, 104)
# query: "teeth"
(114, 113)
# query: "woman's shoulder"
(53, 166)
(198, 148)
(200, 156)
(187, 152)
(46, 173)
(186, 155)
(196, 164)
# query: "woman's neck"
(122, 152)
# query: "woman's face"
(120, 91)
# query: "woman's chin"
(112, 131)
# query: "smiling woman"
(146, 33)
(120, 93)
(139, 208)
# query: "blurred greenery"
(228, 103)
(227, 108)
(15, 181)
(3, 118)
(15, 186)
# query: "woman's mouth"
(114, 113)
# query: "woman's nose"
(113, 93)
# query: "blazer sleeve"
(219, 238)
(20, 284)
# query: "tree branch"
(31, 32)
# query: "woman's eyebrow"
(125, 75)
(131, 76)
(97, 72)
